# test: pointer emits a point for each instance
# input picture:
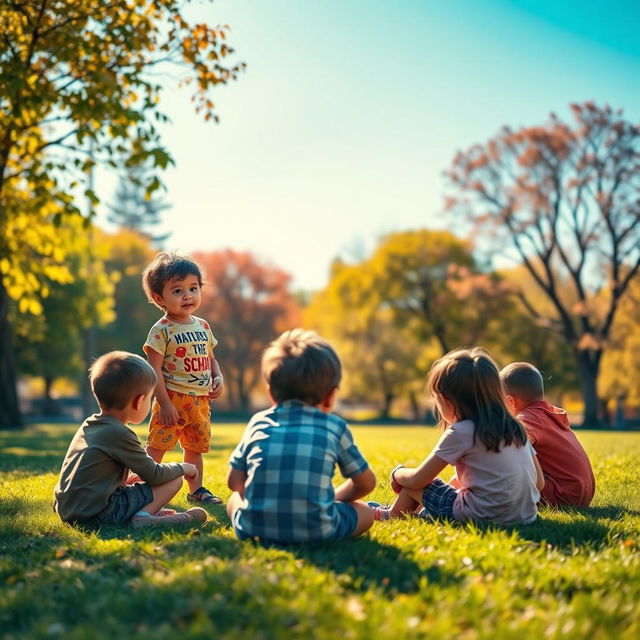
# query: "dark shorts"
(347, 520)
(437, 500)
(124, 503)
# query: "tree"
(133, 208)
(382, 361)
(431, 281)
(518, 337)
(249, 304)
(564, 199)
(126, 254)
(419, 295)
(49, 345)
(619, 380)
(80, 86)
(32, 255)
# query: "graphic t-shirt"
(186, 349)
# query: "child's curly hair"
(167, 267)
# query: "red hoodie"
(567, 471)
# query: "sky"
(350, 110)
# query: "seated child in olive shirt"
(91, 490)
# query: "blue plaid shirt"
(289, 453)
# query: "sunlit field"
(572, 574)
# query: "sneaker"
(143, 522)
(194, 516)
(380, 511)
(197, 515)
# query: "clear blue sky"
(351, 109)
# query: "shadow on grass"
(566, 534)
(370, 563)
(609, 512)
(14, 510)
(230, 587)
(589, 526)
(33, 450)
(366, 562)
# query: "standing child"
(180, 349)
(498, 476)
(91, 490)
(282, 468)
(568, 477)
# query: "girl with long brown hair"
(498, 478)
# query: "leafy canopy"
(565, 200)
(80, 86)
(50, 344)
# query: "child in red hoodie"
(567, 471)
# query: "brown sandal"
(203, 495)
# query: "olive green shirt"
(97, 462)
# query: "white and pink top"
(495, 486)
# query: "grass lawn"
(573, 574)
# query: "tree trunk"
(385, 412)
(10, 416)
(619, 422)
(604, 411)
(588, 371)
(441, 338)
(243, 395)
(50, 406)
(89, 403)
(415, 407)
(230, 389)
(245, 404)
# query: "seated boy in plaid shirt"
(281, 470)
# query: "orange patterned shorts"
(193, 428)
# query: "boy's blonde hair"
(119, 376)
(469, 380)
(300, 365)
(524, 381)
(167, 267)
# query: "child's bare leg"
(162, 493)
(365, 517)
(408, 501)
(235, 499)
(195, 458)
(156, 454)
